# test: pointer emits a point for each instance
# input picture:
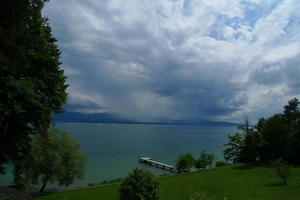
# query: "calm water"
(114, 149)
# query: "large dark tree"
(32, 83)
(275, 134)
(277, 137)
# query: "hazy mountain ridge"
(111, 118)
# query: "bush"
(91, 184)
(185, 162)
(281, 169)
(221, 163)
(139, 185)
(205, 160)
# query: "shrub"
(91, 184)
(139, 185)
(205, 160)
(281, 169)
(185, 162)
(221, 163)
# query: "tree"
(56, 157)
(251, 148)
(139, 185)
(32, 83)
(260, 124)
(185, 162)
(244, 146)
(275, 135)
(291, 110)
(205, 160)
(235, 145)
(281, 169)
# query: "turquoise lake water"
(114, 149)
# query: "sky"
(151, 60)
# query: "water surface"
(114, 149)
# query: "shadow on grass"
(274, 185)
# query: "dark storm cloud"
(161, 59)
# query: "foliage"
(139, 185)
(54, 157)
(291, 111)
(185, 162)
(104, 182)
(275, 134)
(281, 169)
(235, 145)
(275, 137)
(250, 149)
(32, 83)
(116, 180)
(221, 163)
(205, 160)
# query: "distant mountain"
(111, 118)
(90, 118)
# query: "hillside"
(231, 183)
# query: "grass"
(231, 183)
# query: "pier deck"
(149, 161)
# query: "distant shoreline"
(152, 123)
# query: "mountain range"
(112, 118)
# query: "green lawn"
(231, 183)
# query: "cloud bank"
(179, 59)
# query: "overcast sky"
(179, 59)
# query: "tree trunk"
(43, 187)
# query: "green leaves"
(185, 162)
(275, 137)
(281, 169)
(139, 185)
(32, 83)
(55, 156)
(235, 145)
(205, 160)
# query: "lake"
(114, 149)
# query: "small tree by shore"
(185, 162)
(205, 160)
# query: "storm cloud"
(178, 59)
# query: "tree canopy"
(56, 157)
(139, 185)
(185, 162)
(277, 137)
(32, 82)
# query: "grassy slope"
(234, 183)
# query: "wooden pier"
(149, 161)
